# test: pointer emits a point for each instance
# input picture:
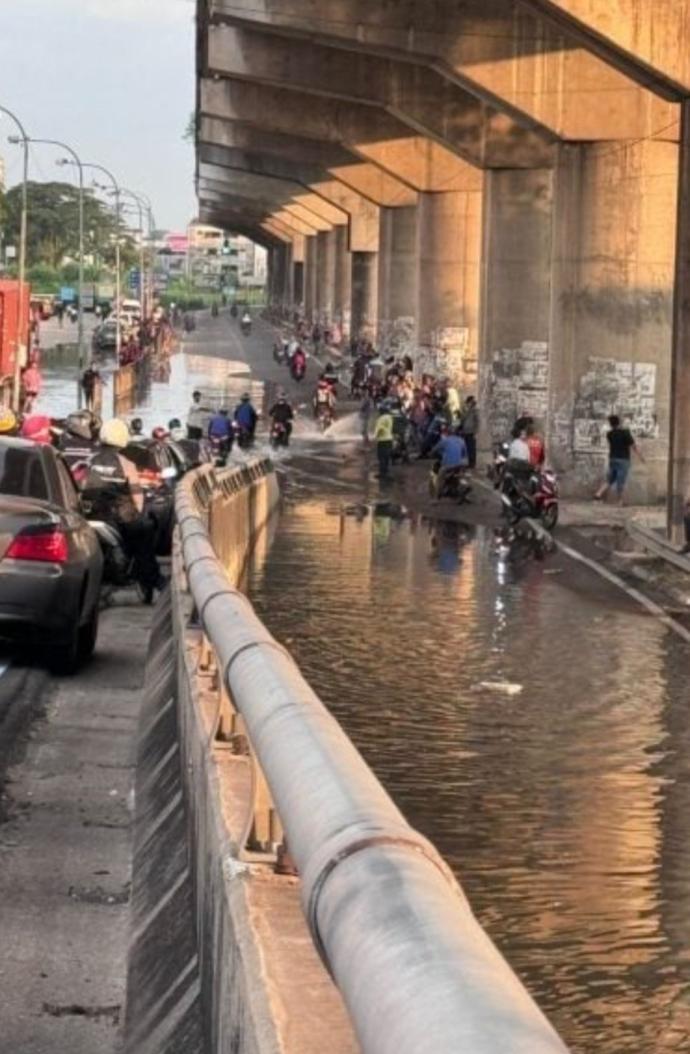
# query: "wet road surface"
(528, 717)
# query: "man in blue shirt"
(246, 416)
(451, 451)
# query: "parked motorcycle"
(533, 495)
(456, 486)
(496, 469)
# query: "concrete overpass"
(492, 185)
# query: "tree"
(53, 226)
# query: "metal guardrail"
(415, 969)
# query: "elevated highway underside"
(496, 187)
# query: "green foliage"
(53, 226)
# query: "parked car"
(159, 470)
(50, 558)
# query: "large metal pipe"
(414, 967)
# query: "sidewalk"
(65, 854)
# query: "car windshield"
(22, 474)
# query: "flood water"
(532, 722)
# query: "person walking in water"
(383, 436)
(621, 446)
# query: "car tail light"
(148, 475)
(49, 546)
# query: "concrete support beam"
(363, 214)
(543, 61)
(310, 277)
(417, 95)
(365, 178)
(612, 308)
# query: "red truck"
(14, 311)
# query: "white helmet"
(115, 433)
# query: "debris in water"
(504, 687)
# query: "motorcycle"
(298, 369)
(246, 328)
(118, 567)
(534, 497)
(243, 437)
(455, 486)
(280, 353)
(324, 416)
(189, 324)
(220, 448)
(233, 311)
(496, 469)
(279, 435)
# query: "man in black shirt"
(621, 444)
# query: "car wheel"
(88, 636)
(63, 656)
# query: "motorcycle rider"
(220, 431)
(282, 413)
(298, 362)
(330, 374)
(116, 497)
(451, 450)
(77, 441)
(246, 416)
(324, 399)
(518, 470)
(246, 321)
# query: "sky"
(114, 79)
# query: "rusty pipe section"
(414, 967)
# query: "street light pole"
(116, 188)
(22, 321)
(143, 204)
(77, 162)
(142, 261)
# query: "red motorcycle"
(298, 368)
(530, 495)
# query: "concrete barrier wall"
(263, 989)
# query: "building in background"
(218, 260)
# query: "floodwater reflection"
(533, 724)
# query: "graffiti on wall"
(449, 356)
(516, 383)
(611, 387)
(397, 336)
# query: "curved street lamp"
(22, 322)
(76, 160)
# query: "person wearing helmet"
(9, 425)
(159, 433)
(116, 496)
(246, 416)
(221, 433)
(281, 413)
(76, 441)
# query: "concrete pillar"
(342, 304)
(298, 284)
(679, 456)
(364, 295)
(612, 308)
(449, 239)
(288, 287)
(398, 276)
(516, 300)
(310, 272)
(325, 274)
